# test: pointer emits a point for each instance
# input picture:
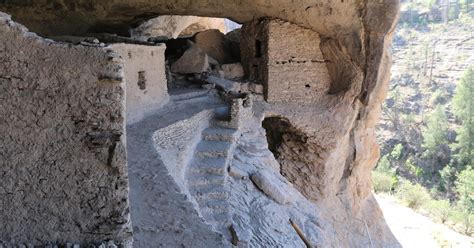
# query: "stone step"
(203, 166)
(219, 221)
(183, 95)
(218, 205)
(215, 215)
(219, 134)
(207, 181)
(223, 124)
(208, 192)
(213, 149)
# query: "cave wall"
(62, 152)
(174, 26)
(146, 87)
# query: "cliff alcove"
(115, 151)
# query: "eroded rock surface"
(172, 27)
(323, 143)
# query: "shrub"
(413, 195)
(413, 168)
(439, 209)
(397, 152)
(464, 218)
(383, 182)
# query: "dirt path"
(415, 230)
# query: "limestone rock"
(233, 42)
(272, 186)
(233, 71)
(212, 42)
(256, 88)
(240, 237)
(174, 26)
(237, 173)
(194, 60)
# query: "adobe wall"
(62, 152)
(146, 86)
(286, 59)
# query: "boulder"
(194, 60)
(212, 42)
(233, 71)
(233, 43)
(272, 186)
(167, 27)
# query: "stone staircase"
(208, 171)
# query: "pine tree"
(435, 134)
(463, 108)
(465, 189)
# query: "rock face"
(172, 27)
(69, 115)
(194, 60)
(213, 43)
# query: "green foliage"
(435, 133)
(383, 177)
(427, 3)
(463, 108)
(465, 188)
(383, 165)
(413, 168)
(446, 178)
(464, 218)
(439, 209)
(383, 182)
(413, 195)
(437, 97)
(397, 152)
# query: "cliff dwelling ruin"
(154, 124)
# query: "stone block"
(233, 71)
(194, 60)
(212, 42)
(272, 186)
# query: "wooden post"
(301, 234)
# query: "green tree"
(447, 176)
(435, 134)
(465, 188)
(396, 153)
(463, 108)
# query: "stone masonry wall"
(297, 71)
(146, 80)
(63, 175)
(286, 59)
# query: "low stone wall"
(63, 174)
(176, 142)
(145, 78)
